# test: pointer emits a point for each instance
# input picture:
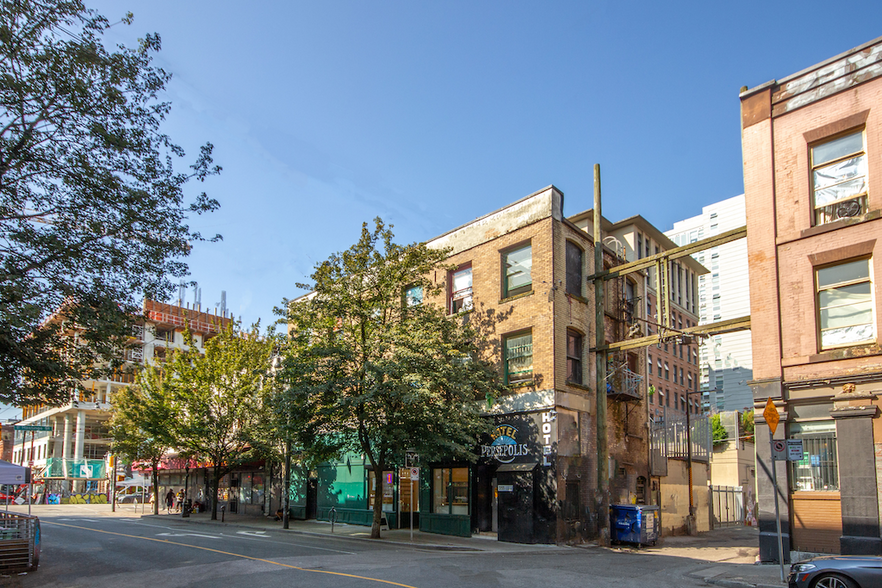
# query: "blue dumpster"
(633, 523)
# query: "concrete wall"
(674, 490)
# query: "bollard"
(333, 516)
(223, 512)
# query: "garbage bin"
(187, 509)
(633, 523)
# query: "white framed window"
(517, 265)
(518, 358)
(845, 304)
(839, 178)
(460, 289)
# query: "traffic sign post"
(772, 418)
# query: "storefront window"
(245, 488)
(818, 469)
(388, 491)
(450, 490)
(257, 489)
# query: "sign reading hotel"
(505, 447)
(521, 438)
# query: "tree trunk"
(215, 483)
(154, 475)
(379, 467)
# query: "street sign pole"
(772, 418)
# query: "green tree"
(142, 424)
(93, 213)
(747, 425)
(368, 370)
(720, 435)
(217, 398)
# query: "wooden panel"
(817, 521)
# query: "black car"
(837, 571)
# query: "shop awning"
(517, 467)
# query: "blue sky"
(325, 114)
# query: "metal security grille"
(817, 470)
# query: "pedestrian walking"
(180, 500)
(169, 500)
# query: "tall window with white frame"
(518, 358)
(839, 178)
(517, 264)
(845, 304)
(574, 357)
(460, 294)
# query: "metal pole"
(287, 483)
(31, 473)
(411, 509)
(690, 526)
(602, 498)
(113, 484)
(777, 514)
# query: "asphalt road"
(125, 552)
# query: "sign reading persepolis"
(522, 438)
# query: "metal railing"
(19, 542)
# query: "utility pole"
(602, 498)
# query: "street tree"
(217, 398)
(93, 210)
(372, 367)
(142, 423)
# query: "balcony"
(623, 385)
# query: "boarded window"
(839, 178)
(574, 269)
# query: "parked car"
(837, 571)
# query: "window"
(450, 490)
(667, 372)
(413, 295)
(818, 469)
(574, 357)
(845, 304)
(516, 265)
(518, 351)
(574, 269)
(649, 365)
(388, 490)
(461, 289)
(839, 178)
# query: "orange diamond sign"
(771, 415)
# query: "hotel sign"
(521, 438)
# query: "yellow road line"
(269, 561)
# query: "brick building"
(521, 273)
(811, 148)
